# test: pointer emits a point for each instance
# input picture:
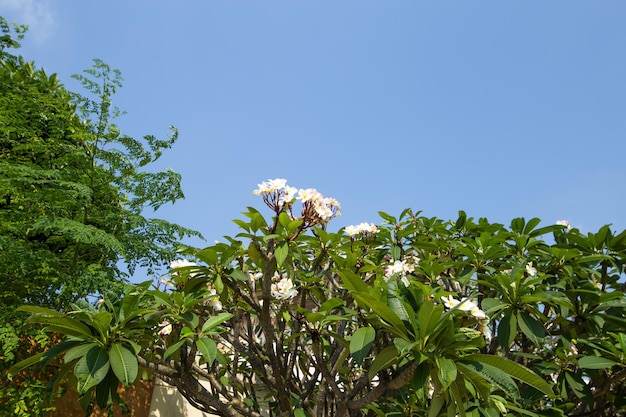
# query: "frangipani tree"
(415, 316)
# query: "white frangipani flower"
(530, 269)
(486, 331)
(284, 289)
(450, 302)
(181, 263)
(361, 229)
(280, 197)
(466, 305)
(401, 269)
(214, 299)
(287, 196)
(270, 186)
(308, 194)
(166, 329)
(564, 223)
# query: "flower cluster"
(466, 305)
(469, 306)
(401, 268)
(181, 263)
(276, 193)
(214, 299)
(316, 208)
(530, 269)
(166, 329)
(283, 289)
(361, 229)
(175, 273)
(564, 223)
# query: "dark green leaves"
(531, 327)
(361, 343)
(92, 368)
(595, 362)
(123, 363)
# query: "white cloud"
(37, 14)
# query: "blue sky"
(499, 108)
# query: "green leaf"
(173, 348)
(361, 343)
(254, 254)
(300, 412)
(595, 362)
(507, 330)
(461, 220)
(207, 348)
(102, 322)
(208, 256)
(331, 304)
(447, 372)
(387, 217)
(531, 328)
(215, 321)
(428, 317)
(385, 358)
(91, 369)
(314, 317)
(24, 364)
(78, 351)
(382, 310)
(514, 370)
(238, 275)
(123, 363)
(495, 376)
(353, 282)
(401, 308)
(483, 385)
(40, 311)
(281, 253)
(65, 325)
(105, 389)
(257, 221)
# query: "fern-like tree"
(73, 190)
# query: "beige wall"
(167, 402)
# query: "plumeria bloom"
(280, 197)
(276, 193)
(398, 267)
(564, 223)
(468, 306)
(270, 186)
(317, 209)
(532, 271)
(486, 331)
(473, 309)
(181, 263)
(402, 269)
(361, 229)
(166, 282)
(284, 289)
(214, 299)
(309, 194)
(166, 329)
(287, 196)
(450, 302)
(352, 230)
